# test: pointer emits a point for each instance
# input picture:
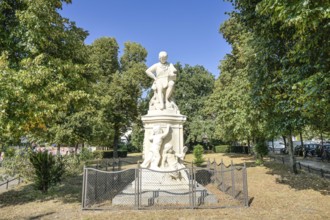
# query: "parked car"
(324, 150)
(326, 153)
(309, 149)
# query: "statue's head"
(157, 130)
(162, 57)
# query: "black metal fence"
(215, 186)
(310, 169)
(7, 182)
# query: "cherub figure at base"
(153, 156)
(173, 161)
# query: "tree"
(230, 105)
(118, 90)
(284, 63)
(49, 74)
(193, 85)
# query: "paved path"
(315, 163)
(312, 162)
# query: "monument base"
(168, 196)
(153, 180)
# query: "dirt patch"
(274, 192)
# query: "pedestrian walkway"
(315, 163)
(311, 165)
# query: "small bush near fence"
(198, 154)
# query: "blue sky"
(187, 29)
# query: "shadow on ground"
(68, 191)
(301, 181)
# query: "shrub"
(198, 154)
(10, 152)
(48, 169)
(261, 149)
(73, 165)
(222, 148)
(97, 154)
(85, 154)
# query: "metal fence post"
(245, 186)
(233, 178)
(83, 189)
(7, 184)
(137, 188)
(215, 171)
(222, 176)
(140, 187)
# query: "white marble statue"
(153, 157)
(164, 74)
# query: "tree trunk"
(285, 145)
(321, 139)
(116, 141)
(292, 158)
(301, 142)
(249, 145)
(58, 153)
(273, 146)
(76, 149)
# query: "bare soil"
(274, 193)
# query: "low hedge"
(222, 149)
(101, 154)
(231, 149)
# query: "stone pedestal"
(163, 118)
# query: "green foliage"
(198, 155)
(10, 152)
(193, 85)
(18, 165)
(97, 154)
(261, 149)
(48, 169)
(85, 154)
(137, 136)
(276, 80)
(259, 162)
(73, 165)
(222, 149)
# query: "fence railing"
(217, 185)
(9, 181)
(310, 169)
